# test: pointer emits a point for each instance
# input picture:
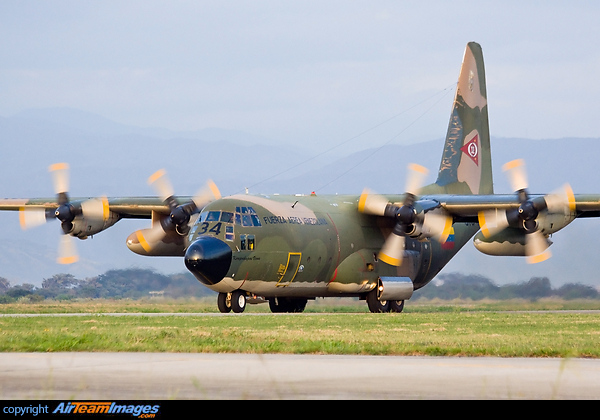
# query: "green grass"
(461, 329)
(335, 305)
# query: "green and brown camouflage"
(288, 249)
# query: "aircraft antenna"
(443, 92)
(394, 137)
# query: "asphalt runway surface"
(156, 376)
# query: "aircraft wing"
(468, 207)
(125, 207)
(510, 224)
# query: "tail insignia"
(471, 149)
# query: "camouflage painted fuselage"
(310, 246)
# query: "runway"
(101, 376)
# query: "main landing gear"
(287, 304)
(377, 306)
(236, 301)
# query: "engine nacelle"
(83, 227)
(549, 223)
(170, 244)
(509, 242)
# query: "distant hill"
(115, 159)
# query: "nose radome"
(208, 259)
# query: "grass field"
(431, 328)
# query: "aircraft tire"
(298, 305)
(282, 304)
(224, 302)
(396, 305)
(375, 305)
(238, 301)
(275, 306)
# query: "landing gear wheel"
(276, 305)
(224, 302)
(298, 305)
(376, 305)
(396, 305)
(283, 304)
(238, 301)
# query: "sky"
(307, 73)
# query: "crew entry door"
(288, 272)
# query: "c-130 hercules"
(288, 249)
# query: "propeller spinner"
(525, 216)
(433, 223)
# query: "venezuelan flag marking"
(449, 244)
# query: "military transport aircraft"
(288, 249)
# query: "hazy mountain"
(115, 159)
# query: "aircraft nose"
(208, 258)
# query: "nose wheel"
(234, 301)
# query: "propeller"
(180, 214)
(524, 217)
(432, 223)
(65, 212)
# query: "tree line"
(136, 283)
(477, 287)
(132, 283)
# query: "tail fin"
(466, 166)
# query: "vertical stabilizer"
(466, 166)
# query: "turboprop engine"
(79, 219)
(513, 241)
(524, 231)
(167, 236)
(82, 226)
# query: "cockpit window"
(217, 222)
(227, 217)
(243, 216)
(246, 220)
(213, 216)
(246, 216)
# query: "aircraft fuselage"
(307, 246)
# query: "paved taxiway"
(278, 376)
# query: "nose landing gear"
(234, 301)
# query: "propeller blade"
(161, 184)
(370, 203)
(517, 174)
(561, 200)
(415, 178)
(96, 208)
(206, 194)
(492, 221)
(536, 247)
(30, 218)
(147, 237)
(437, 225)
(67, 252)
(60, 177)
(392, 250)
